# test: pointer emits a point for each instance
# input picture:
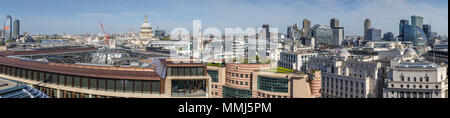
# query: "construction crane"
(104, 33)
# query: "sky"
(83, 16)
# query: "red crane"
(106, 35)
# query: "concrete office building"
(295, 60)
(253, 81)
(334, 23)
(348, 76)
(374, 34)
(366, 28)
(417, 80)
(338, 36)
(306, 33)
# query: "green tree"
(166, 39)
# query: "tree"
(166, 39)
(39, 40)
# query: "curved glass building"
(415, 34)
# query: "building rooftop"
(9, 89)
(80, 70)
(418, 65)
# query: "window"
(155, 87)
(62, 80)
(273, 84)
(128, 86)
(102, 84)
(29, 74)
(110, 85)
(146, 86)
(76, 82)
(137, 86)
(85, 82)
(35, 76)
(69, 81)
(214, 75)
(236, 93)
(119, 85)
(54, 78)
(93, 84)
(200, 72)
(187, 72)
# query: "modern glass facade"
(323, 35)
(185, 71)
(279, 85)
(417, 21)
(228, 92)
(214, 75)
(402, 25)
(415, 34)
(188, 87)
(88, 83)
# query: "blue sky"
(82, 16)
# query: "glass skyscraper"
(403, 23)
(415, 34)
(417, 21)
(323, 35)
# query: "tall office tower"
(334, 23)
(374, 34)
(427, 30)
(16, 29)
(7, 32)
(338, 36)
(366, 28)
(306, 28)
(401, 28)
(267, 28)
(417, 21)
(289, 32)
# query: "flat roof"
(35, 52)
(84, 71)
(4, 84)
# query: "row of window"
(427, 79)
(238, 75)
(228, 92)
(262, 95)
(188, 71)
(414, 86)
(334, 83)
(273, 84)
(189, 87)
(237, 82)
(403, 94)
(101, 84)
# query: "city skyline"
(81, 17)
